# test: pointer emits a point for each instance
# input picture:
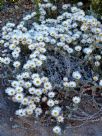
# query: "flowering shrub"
(26, 48)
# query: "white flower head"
(15, 83)
(76, 99)
(87, 50)
(56, 111)
(60, 119)
(57, 129)
(16, 64)
(29, 111)
(72, 84)
(19, 97)
(50, 103)
(32, 90)
(19, 89)
(38, 92)
(21, 112)
(51, 94)
(47, 85)
(38, 111)
(37, 81)
(10, 91)
(78, 48)
(32, 106)
(7, 60)
(25, 101)
(28, 84)
(76, 75)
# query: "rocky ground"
(10, 125)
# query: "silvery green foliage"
(30, 45)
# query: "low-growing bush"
(49, 55)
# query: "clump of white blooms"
(25, 50)
(29, 91)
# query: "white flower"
(21, 82)
(70, 50)
(40, 38)
(100, 83)
(51, 94)
(56, 111)
(19, 97)
(95, 78)
(6, 44)
(28, 84)
(38, 111)
(74, 9)
(19, 89)
(15, 83)
(7, 60)
(44, 79)
(31, 47)
(25, 101)
(29, 41)
(97, 63)
(78, 48)
(24, 42)
(76, 75)
(65, 6)
(20, 112)
(53, 8)
(37, 81)
(16, 64)
(76, 99)
(32, 106)
(32, 64)
(42, 57)
(36, 99)
(87, 50)
(44, 91)
(65, 79)
(98, 57)
(30, 101)
(19, 77)
(60, 119)
(47, 85)
(25, 75)
(12, 46)
(26, 66)
(72, 84)
(32, 90)
(57, 130)
(10, 91)
(38, 92)
(29, 111)
(80, 4)
(66, 84)
(50, 103)
(17, 49)
(15, 54)
(42, 50)
(38, 63)
(2, 41)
